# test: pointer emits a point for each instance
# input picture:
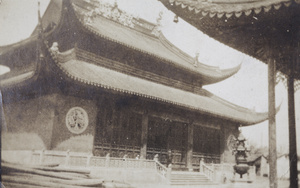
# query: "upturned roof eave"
(10, 47)
(216, 74)
(249, 27)
(213, 75)
(71, 70)
(34, 37)
(227, 8)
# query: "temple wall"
(28, 124)
(40, 123)
(63, 138)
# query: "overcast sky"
(247, 88)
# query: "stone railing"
(75, 159)
(83, 159)
(224, 171)
(163, 171)
(206, 170)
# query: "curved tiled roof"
(259, 28)
(11, 47)
(95, 75)
(228, 8)
(14, 80)
(154, 45)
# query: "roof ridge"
(115, 14)
(183, 54)
(185, 63)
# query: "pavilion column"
(292, 129)
(189, 151)
(272, 125)
(144, 136)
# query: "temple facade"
(93, 78)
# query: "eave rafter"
(227, 9)
(255, 23)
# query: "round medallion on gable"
(77, 120)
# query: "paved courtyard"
(260, 182)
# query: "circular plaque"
(77, 120)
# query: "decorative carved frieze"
(112, 12)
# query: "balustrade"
(82, 159)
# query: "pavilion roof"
(229, 8)
(250, 26)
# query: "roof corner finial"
(156, 30)
(54, 48)
(196, 61)
(171, 2)
(176, 19)
(39, 11)
(40, 26)
(115, 4)
(158, 20)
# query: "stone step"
(193, 176)
(189, 178)
(198, 181)
(193, 183)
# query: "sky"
(247, 88)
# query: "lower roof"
(98, 76)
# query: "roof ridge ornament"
(112, 12)
(54, 48)
(108, 11)
(156, 30)
(40, 24)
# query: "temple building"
(93, 78)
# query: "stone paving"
(260, 182)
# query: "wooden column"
(292, 129)
(144, 136)
(114, 120)
(189, 151)
(223, 144)
(272, 125)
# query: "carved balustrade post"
(201, 165)
(67, 157)
(42, 156)
(88, 161)
(169, 171)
